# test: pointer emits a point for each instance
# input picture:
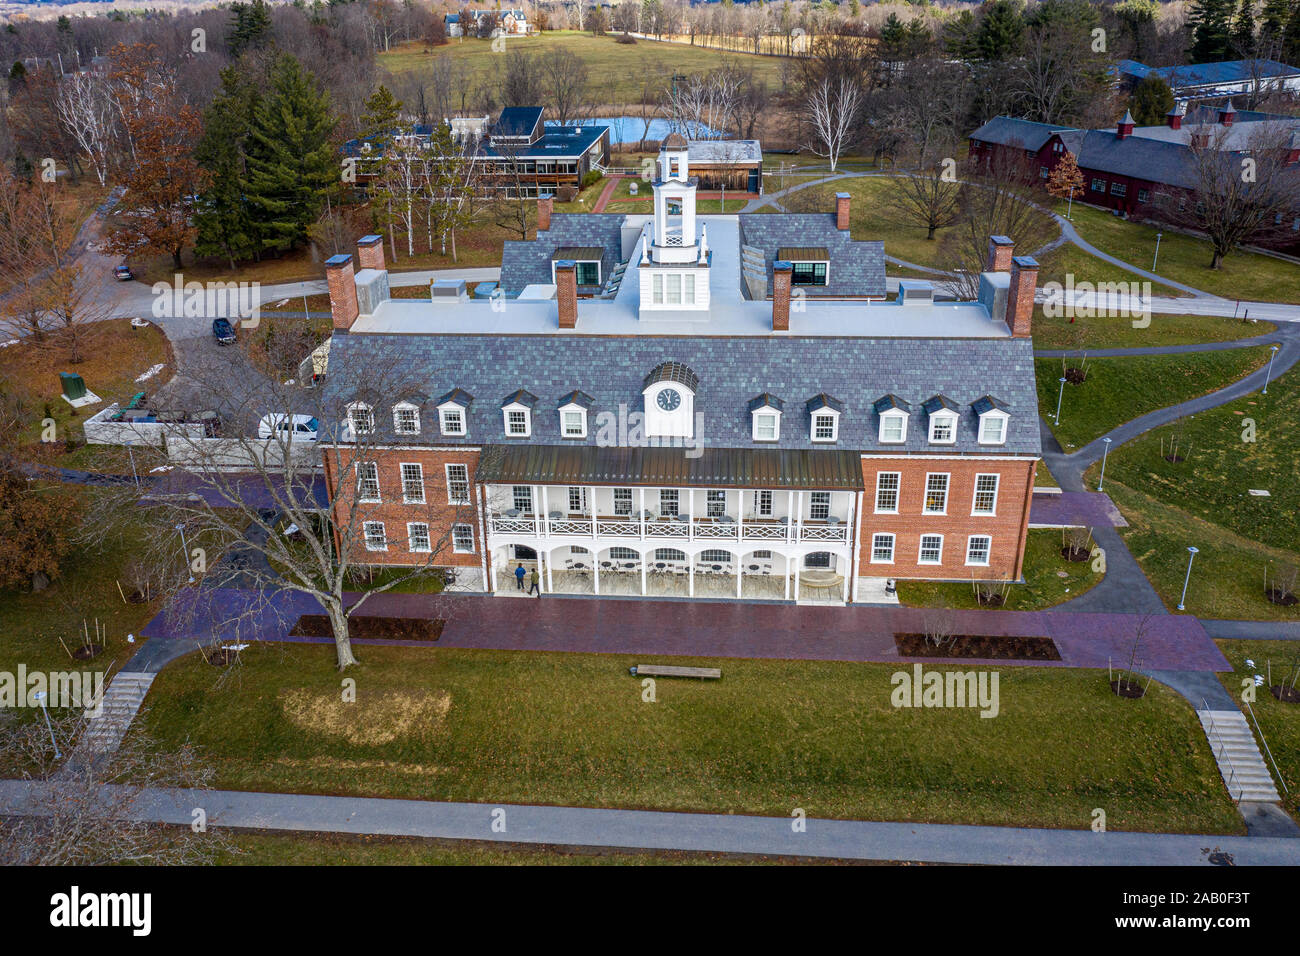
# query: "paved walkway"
(1074, 509)
(697, 628)
(702, 832)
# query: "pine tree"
(1211, 23)
(1291, 38)
(999, 33)
(1151, 101)
(1243, 32)
(380, 120)
(291, 163)
(251, 27)
(225, 223)
(1276, 14)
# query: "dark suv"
(223, 331)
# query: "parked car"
(123, 273)
(304, 427)
(223, 331)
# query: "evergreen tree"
(225, 223)
(1276, 14)
(999, 32)
(1243, 32)
(1291, 38)
(291, 162)
(381, 118)
(893, 38)
(1151, 101)
(1211, 23)
(250, 27)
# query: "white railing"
(514, 526)
(710, 529)
(766, 532)
(820, 532)
(619, 529)
(570, 526)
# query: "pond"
(632, 129)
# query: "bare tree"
(928, 191)
(832, 109)
(564, 76)
(86, 109)
(704, 104)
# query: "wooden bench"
(668, 670)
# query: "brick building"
(740, 415)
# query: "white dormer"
(993, 418)
(361, 420)
(765, 418)
(942, 412)
(669, 395)
(893, 427)
(453, 413)
(406, 418)
(824, 418)
(517, 414)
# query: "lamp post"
(1269, 373)
(1105, 451)
(1191, 556)
(1058, 400)
(39, 697)
(185, 551)
(1069, 208)
(1156, 257)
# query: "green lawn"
(1186, 259)
(1044, 585)
(1116, 333)
(1069, 259)
(1118, 390)
(772, 736)
(1280, 722)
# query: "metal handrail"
(1264, 741)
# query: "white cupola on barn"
(674, 265)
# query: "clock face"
(668, 400)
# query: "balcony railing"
(718, 529)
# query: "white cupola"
(674, 266)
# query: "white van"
(304, 427)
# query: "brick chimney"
(781, 274)
(1001, 248)
(842, 201)
(566, 292)
(343, 291)
(1125, 127)
(545, 205)
(1020, 297)
(1174, 119)
(370, 252)
(1228, 114)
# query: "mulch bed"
(84, 652)
(1175, 459)
(1075, 376)
(992, 647)
(1283, 598)
(387, 628)
(1071, 553)
(991, 600)
(1285, 693)
(1123, 687)
(222, 657)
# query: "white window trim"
(365, 535)
(569, 408)
(898, 493)
(600, 270)
(892, 416)
(997, 488)
(947, 492)
(379, 497)
(989, 416)
(528, 420)
(979, 563)
(410, 537)
(468, 490)
(893, 547)
(920, 547)
(454, 547)
(765, 410)
(943, 416)
(352, 425)
(464, 419)
(401, 474)
(397, 424)
(835, 426)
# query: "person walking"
(519, 577)
(533, 578)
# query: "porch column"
(595, 572)
(786, 575)
(491, 572)
(544, 513)
(643, 562)
(796, 577)
(740, 515)
(798, 524)
(789, 515)
(537, 511)
(550, 583)
(543, 587)
(641, 518)
(856, 544)
(690, 581)
(740, 571)
(690, 510)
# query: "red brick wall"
(1007, 528)
(437, 512)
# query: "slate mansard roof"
(857, 267)
(731, 372)
(528, 262)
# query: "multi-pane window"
(577, 500)
(669, 554)
(986, 495)
(823, 428)
(668, 501)
(523, 498)
(808, 273)
(462, 538)
(977, 549)
(765, 426)
(936, 494)
(943, 428)
(764, 555)
(458, 484)
(516, 422)
(993, 430)
(657, 289)
(376, 540)
(716, 502)
(453, 421)
(406, 421)
(623, 554)
(674, 288)
(819, 505)
(715, 557)
(1118, 189)
(931, 549)
(1099, 185)
(413, 484)
(887, 491)
(368, 480)
(575, 424)
(622, 501)
(362, 418)
(882, 549)
(588, 273)
(418, 535)
(763, 504)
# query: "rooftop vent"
(447, 290)
(915, 292)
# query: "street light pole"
(1069, 209)
(39, 696)
(130, 451)
(1191, 556)
(1269, 374)
(185, 551)
(1058, 400)
(1156, 257)
(1105, 451)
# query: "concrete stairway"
(122, 702)
(1240, 762)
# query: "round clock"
(668, 400)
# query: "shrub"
(593, 176)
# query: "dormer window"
(361, 418)
(406, 419)
(993, 417)
(517, 413)
(573, 414)
(942, 412)
(453, 412)
(765, 417)
(453, 420)
(893, 412)
(669, 394)
(825, 418)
